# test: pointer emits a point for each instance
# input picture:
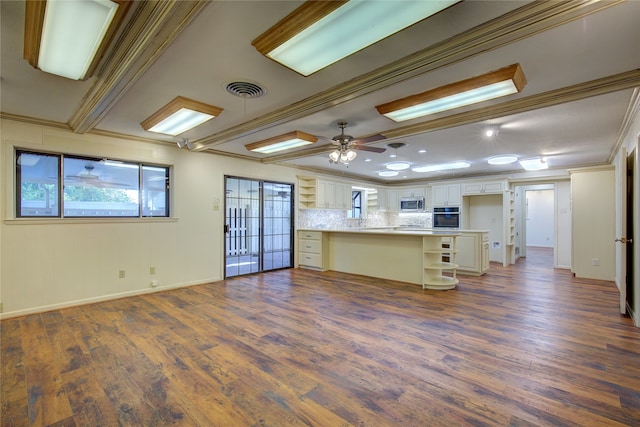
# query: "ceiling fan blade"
(372, 138)
(367, 148)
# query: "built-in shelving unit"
(307, 192)
(510, 227)
(437, 273)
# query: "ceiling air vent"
(245, 89)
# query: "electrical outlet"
(152, 270)
(121, 274)
(595, 262)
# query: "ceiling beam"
(153, 26)
(617, 82)
(531, 19)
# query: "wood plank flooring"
(525, 345)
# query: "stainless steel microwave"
(412, 204)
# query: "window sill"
(101, 220)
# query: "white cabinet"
(412, 192)
(473, 253)
(388, 200)
(313, 247)
(333, 195)
(446, 195)
(471, 188)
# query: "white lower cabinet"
(313, 250)
(473, 253)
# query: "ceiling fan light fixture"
(502, 82)
(180, 115)
(282, 142)
(312, 36)
(441, 167)
(502, 160)
(398, 166)
(68, 38)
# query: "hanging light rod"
(319, 33)
(282, 142)
(180, 115)
(502, 82)
(69, 38)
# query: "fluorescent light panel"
(282, 142)
(67, 38)
(534, 164)
(320, 33)
(502, 82)
(441, 167)
(180, 115)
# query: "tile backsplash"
(338, 219)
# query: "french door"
(258, 226)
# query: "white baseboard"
(67, 304)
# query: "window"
(356, 204)
(90, 187)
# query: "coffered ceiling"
(581, 61)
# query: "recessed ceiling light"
(422, 151)
(441, 167)
(367, 160)
(398, 166)
(502, 160)
(387, 173)
(534, 164)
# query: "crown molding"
(528, 20)
(622, 81)
(151, 29)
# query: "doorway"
(536, 224)
(258, 226)
(627, 299)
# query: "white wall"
(540, 218)
(593, 223)
(51, 263)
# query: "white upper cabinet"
(470, 188)
(446, 195)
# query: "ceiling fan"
(345, 144)
(88, 178)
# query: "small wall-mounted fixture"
(180, 115)
(69, 38)
(502, 82)
(282, 142)
(319, 33)
(184, 142)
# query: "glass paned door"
(258, 226)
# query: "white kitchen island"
(407, 256)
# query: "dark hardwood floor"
(521, 346)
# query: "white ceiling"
(581, 61)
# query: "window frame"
(18, 214)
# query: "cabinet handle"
(308, 257)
